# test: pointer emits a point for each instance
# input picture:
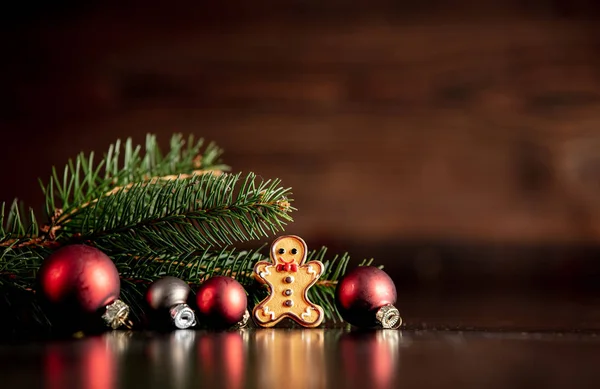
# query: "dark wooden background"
(452, 140)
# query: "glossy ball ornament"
(80, 276)
(166, 292)
(222, 302)
(365, 297)
(80, 285)
(170, 294)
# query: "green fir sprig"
(180, 213)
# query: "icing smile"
(291, 260)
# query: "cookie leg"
(310, 315)
(264, 316)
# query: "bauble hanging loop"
(80, 280)
(365, 297)
(116, 315)
(182, 316)
(388, 317)
(244, 321)
(171, 294)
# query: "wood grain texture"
(390, 122)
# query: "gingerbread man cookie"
(289, 279)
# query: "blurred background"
(457, 142)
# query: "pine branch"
(83, 180)
(179, 215)
(155, 215)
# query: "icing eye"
(281, 251)
(294, 251)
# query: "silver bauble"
(171, 293)
(167, 292)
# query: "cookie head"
(288, 249)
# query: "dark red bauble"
(221, 301)
(361, 293)
(80, 277)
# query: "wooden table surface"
(297, 358)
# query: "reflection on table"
(297, 358)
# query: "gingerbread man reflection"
(289, 279)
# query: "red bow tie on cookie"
(287, 267)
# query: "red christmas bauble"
(79, 277)
(221, 301)
(361, 293)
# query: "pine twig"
(154, 214)
(181, 215)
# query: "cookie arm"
(314, 268)
(261, 270)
